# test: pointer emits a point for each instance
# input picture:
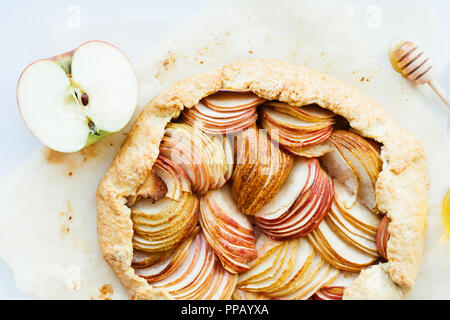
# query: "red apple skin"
(56, 58)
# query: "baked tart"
(264, 180)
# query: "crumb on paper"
(105, 292)
(166, 64)
(70, 161)
(66, 219)
(90, 152)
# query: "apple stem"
(93, 128)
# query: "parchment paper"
(48, 213)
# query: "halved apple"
(383, 237)
(227, 230)
(300, 205)
(355, 163)
(297, 128)
(261, 169)
(205, 159)
(75, 99)
(191, 272)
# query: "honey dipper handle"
(439, 91)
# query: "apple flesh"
(75, 99)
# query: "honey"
(446, 212)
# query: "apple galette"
(264, 180)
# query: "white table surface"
(25, 37)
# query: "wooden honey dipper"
(412, 63)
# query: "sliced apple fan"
(313, 230)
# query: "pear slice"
(355, 163)
(282, 270)
(337, 252)
(143, 259)
(308, 272)
(162, 225)
(264, 267)
(286, 121)
(261, 169)
(303, 256)
(311, 113)
(325, 276)
(358, 215)
(267, 249)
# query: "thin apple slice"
(205, 159)
(164, 267)
(178, 287)
(312, 201)
(229, 101)
(193, 272)
(300, 175)
(234, 248)
(229, 157)
(219, 122)
(383, 237)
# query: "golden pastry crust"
(400, 190)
